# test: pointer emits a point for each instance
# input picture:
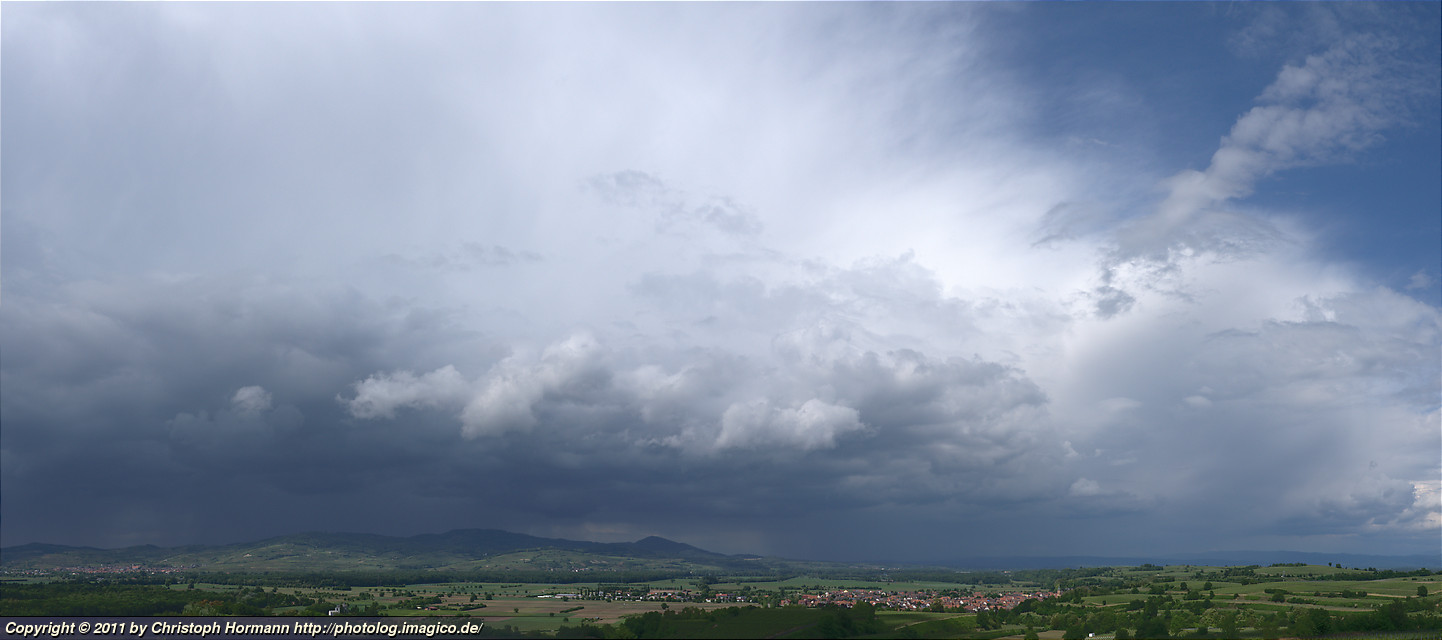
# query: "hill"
(494, 551)
(1215, 559)
(469, 550)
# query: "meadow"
(1120, 602)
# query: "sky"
(845, 281)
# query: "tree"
(1152, 628)
(1229, 625)
(1269, 629)
(1321, 621)
(983, 620)
(1181, 620)
(863, 612)
(1303, 626)
(1421, 591)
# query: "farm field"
(1181, 601)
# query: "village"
(125, 569)
(894, 600)
(920, 600)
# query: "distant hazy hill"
(492, 550)
(460, 550)
(1214, 559)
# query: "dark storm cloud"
(117, 389)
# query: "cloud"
(380, 395)
(251, 400)
(1347, 382)
(1084, 487)
(630, 188)
(1372, 500)
(1087, 499)
(853, 274)
(1419, 280)
(567, 372)
(1358, 347)
(469, 256)
(813, 425)
(716, 401)
(1426, 511)
(1118, 405)
(1323, 110)
(674, 209)
(505, 399)
(227, 437)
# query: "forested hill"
(496, 552)
(459, 550)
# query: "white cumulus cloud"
(252, 399)
(813, 425)
(380, 395)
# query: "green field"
(1099, 601)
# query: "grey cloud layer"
(769, 272)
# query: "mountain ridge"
(500, 550)
(457, 549)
